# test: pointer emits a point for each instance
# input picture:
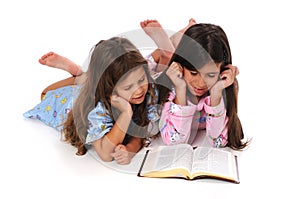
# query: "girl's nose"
(200, 80)
(138, 89)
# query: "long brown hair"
(110, 60)
(200, 44)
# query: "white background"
(264, 38)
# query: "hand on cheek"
(120, 103)
(227, 77)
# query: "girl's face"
(200, 81)
(134, 87)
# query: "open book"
(184, 161)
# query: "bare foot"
(57, 61)
(166, 49)
(177, 36)
(155, 31)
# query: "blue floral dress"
(56, 104)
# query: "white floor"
(264, 38)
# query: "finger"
(179, 66)
(235, 69)
(175, 73)
(123, 161)
(172, 67)
(226, 75)
(118, 147)
(227, 79)
(176, 68)
(124, 158)
(116, 151)
(117, 156)
(230, 71)
(176, 65)
(121, 158)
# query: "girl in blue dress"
(114, 109)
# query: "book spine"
(140, 170)
(237, 170)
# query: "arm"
(134, 145)
(124, 154)
(226, 79)
(216, 123)
(176, 122)
(174, 72)
(106, 134)
(106, 145)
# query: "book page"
(214, 162)
(166, 158)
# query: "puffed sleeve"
(100, 123)
(175, 122)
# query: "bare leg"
(155, 31)
(65, 82)
(159, 55)
(57, 61)
(177, 36)
(61, 83)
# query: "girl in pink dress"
(201, 90)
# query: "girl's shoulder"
(99, 112)
(100, 108)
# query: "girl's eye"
(142, 80)
(194, 73)
(211, 75)
(127, 88)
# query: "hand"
(120, 103)
(227, 76)
(175, 73)
(226, 79)
(121, 155)
(235, 70)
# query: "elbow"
(104, 155)
(106, 158)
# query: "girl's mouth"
(199, 91)
(140, 97)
